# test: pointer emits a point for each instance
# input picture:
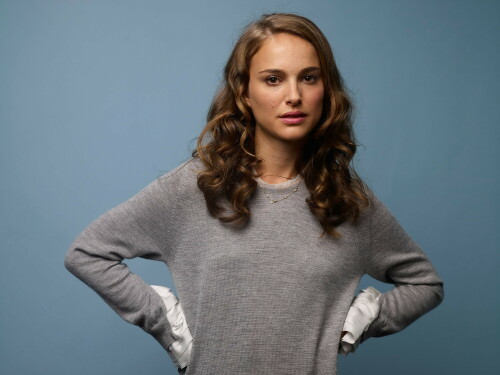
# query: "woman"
(267, 230)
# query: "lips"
(294, 117)
(293, 114)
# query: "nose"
(293, 96)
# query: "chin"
(285, 134)
(294, 138)
(297, 133)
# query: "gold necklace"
(275, 175)
(273, 201)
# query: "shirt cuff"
(180, 350)
(363, 311)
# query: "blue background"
(97, 98)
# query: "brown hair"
(336, 192)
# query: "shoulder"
(375, 205)
(375, 213)
(186, 171)
(182, 180)
(383, 226)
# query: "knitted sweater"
(269, 298)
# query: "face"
(285, 90)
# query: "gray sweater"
(270, 298)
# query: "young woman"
(267, 229)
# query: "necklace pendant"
(274, 201)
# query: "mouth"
(295, 117)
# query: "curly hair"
(226, 145)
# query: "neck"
(278, 160)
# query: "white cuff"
(364, 310)
(180, 350)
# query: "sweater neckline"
(282, 185)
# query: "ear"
(247, 99)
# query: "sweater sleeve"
(136, 228)
(393, 257)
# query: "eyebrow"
(310, 69)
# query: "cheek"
(262, 99)
(315, 98)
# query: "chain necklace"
(275, 175)
(273, 201)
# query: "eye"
(310, 78)
(272, 80)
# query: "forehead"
(285, 52)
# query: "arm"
(135, 228)
(393, 257)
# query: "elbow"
(70, 261)
(439, 293)
(435, 296)
(73, 260)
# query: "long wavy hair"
(226, 145)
